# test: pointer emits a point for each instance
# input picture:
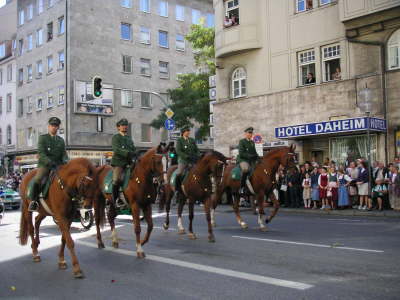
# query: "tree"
(190, 101)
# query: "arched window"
(9, 135)
(393, 47)
(239, 83)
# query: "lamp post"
(365, 105)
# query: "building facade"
(138, 49)
(300, 71)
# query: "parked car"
(11, 199)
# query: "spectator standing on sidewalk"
(282, 187)
(332, 193)
(353, 193)
(315, 187)
(394, 196)
(362, 183)
(378, 193)
(323, 186)
(294, 184)
(307, 190)
(343, 195)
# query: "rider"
(247, 156)
(187, 152)
(124, 153)
(52, 153)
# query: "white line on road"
(209, 269)
(308, 244)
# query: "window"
(20, 76)
(9, 73)
(39, 103)
(164, 69)
(40, 6)
(145, 6)
(163, 8)
(39, 69)
(39, 37)
(126, 64)
(50, 99)
(306, 62)
(30, 136)
(29, 73)
(9, 102)
(126, 33)
(196, 16)
(180, 42)
(51, 3)
(146, 133)
(30, 42)
(331, 62)
(1, 106)
(61, 23)
(20, 107)
(323, 2)
(49, 31)
(61, 95)
(61, 60)
(20, 47)
(163, 38)
(393, 47)
(30, 12)
(144, 35)
(49, 64)
(127, 98)
(210, 20)
(145, 67)
(1, 76)
(239, 83)
(145, 100)
(2, 50)
(232, 12)
(126, 3)
(21, 17)
(9, 131)
(30, 105)
(180, 13)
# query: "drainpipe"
(383, 84)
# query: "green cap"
(184, 129)
(249, 130)
(54, 121)
(122, 122)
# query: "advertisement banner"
(85, 103)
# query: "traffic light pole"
(139, 91)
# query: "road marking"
(209, 269)
(350, 220)
(308, 244)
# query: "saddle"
(108, 186)
(184, 176)
(44, 185)
(236, 172)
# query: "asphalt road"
(299, 257)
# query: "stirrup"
(242, 191)
(33, 206)
(119, 203)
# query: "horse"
(73, 181)
(139, 194)
(262, 181)
(196, 186)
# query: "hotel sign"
(336, 126)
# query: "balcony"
(352, 9)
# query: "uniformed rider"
(187, 152)
(247, 156)
(52, 153)
(124, 152)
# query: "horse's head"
(287, 157)
(158, 160)
(216, 163)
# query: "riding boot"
(243, 180)
(178, 188)
(115, 196)
(34, 204)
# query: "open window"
(306, 63)
(231, 13)
(331, 63)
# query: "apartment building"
(131, 44)
(302, 72)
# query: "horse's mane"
(219, 155)
(274, 151)
(77, 165)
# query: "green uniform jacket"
(51, 150)
(124, 150)
(247, 151)
(187, 150)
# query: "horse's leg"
(191, 235)
(136, 224)
(62, 264)
(167, 196)
(182, 200)
(260, 202)
(209, 217)
(36, 240)
(235, 203)
(99, 217)
(111, 215)
(149, 220)
(276, 204)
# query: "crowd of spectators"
(330, 186)
(12, 181)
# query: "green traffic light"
(172, 155)
(97, 93)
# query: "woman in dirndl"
(362, 183)
(353, 193)
(344, 181)
(394, 188)
(314, 187)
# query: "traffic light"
(172, 154)
(97, 87)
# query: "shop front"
(341, 140)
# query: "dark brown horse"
(262, 181)
(139, 195)
(196, 186)
(75, 180)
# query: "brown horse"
(75, 180)
(196, 186)
(139, 194)
(262, 181)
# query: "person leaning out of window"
(310, 79)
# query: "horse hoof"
(37, 258)
(78, 275)
(211, 239)
(140, 255)
(181, 231)
(192, 236)
(244, 225)
(263, 229)
(214, 224)
(100, 246)
(115, 245)
(62, 265)
(165, 226)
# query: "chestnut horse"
(75, 180)
(139, 194)
(262, 181)
(197, 186)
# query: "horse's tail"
(23, 227)
(100, 206)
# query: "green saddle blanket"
(173, 176)
(236, 172)
(45, 186)
(107, 188)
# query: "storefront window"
(351, 147)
